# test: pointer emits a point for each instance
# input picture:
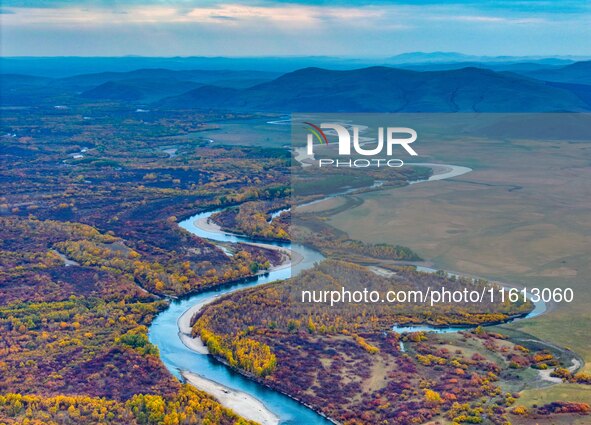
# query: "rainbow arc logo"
(317, 131)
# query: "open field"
(572, 392)
(522, 216)
(246, 132)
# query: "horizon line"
(130, 56)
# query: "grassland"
(247, 131)
(573, 392)
(522, 216)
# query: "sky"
(366, 28)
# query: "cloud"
(491, 19)
(563, 6)
(230, 18)
(292, 13)
(288, 16)
(341, 27)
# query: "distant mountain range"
(86, 81)
(534, 88)
(60, 67)
(383, 89)
(142, 85)
(152, 84)
(576, 73)
(138, 89)
(454, 57)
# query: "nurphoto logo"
(374, 156)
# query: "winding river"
(177, 357)
(164, 332)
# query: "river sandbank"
(290, 258)
(243, 404)
(185, 328)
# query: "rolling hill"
(138, 89)
(384, 89)
(373, 89)
(142, 85)
(576, 73)
(88, 81)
